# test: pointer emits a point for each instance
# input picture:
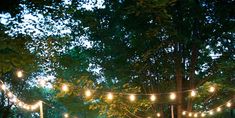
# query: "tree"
(143, 47)
(134, 42)
(14, 57)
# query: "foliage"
(137, 46)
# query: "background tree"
(134, 42)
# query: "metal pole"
(172, 111)
(41, 109)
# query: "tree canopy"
(124, 46)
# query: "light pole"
(41, 109)
(172, 111)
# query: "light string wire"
(13, 98)
(132, 97)
(36, 105)
(210, 112)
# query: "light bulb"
(158, 114)
(152, 98)
(184, 113)
(212, 89)
(66, 115)
(203, 115)
(190, 114)
(3, 87)
(9, 94)
(20, 104)
(65, 88)
(211, 112)
(19, 74)
(218, 109)
(109, 96)
(195, 115)
(87, 93)
(132, 97)
(14, 99)
(172, 96)
(228, 104)
(193, 93)
(33, 107)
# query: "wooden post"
(41, 109)
(172, 111)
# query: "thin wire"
(210, 109)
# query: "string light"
(3, 87)
(25, 106)
(132, 97)
(228, 104)
(212, 89)
(20, 104)
(193, 93)
(19, 74)
(190, 114)
(109, 96)
(158, 115)
(9, 94)
(218, 109)
(33, 107)
(65, 88)
(14, 99)
(211, 112)
(172, 96)
(152, 98)
(203, 115)
(87, 93)
(66, 115)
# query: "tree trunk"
(191, 74)
(179, 80)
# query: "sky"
(35, 24)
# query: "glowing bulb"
(211, 112)
(158, 114)
(152, 98)
(195, 115)
(20, 104)
(9, 94)
(26, 107)
(193, 93)
(110, 96)
(65, 88)
(14, 99)
(39, 103)
(203, 115)
(3, 87)
(184, 113)
(19, 73)
(66, 115)
(190, 114)
(132, 97)
(212, 89)
(218, 109)
(172, 96)
(33, 107)
(228, 104)
(87, 93)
